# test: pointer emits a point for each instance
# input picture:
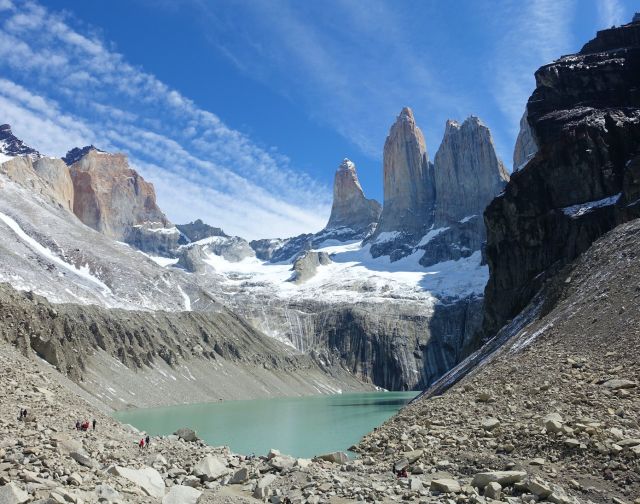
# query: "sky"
(239, 112)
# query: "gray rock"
(12, 494)
(445, 485)
(186, 434)
(335, 457)
(107, 493)
(180, 494)
(539, 488)
(147, 478)
(82, 458)
(493, 490)
(305, 267)
(490, 424)
(505, 478)
(211, 468)
(619, 384)
(240, 476)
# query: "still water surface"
(300, 426)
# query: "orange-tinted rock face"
(112, 198)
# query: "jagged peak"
(347, 165)
(10, 145)
(406, 114)
(79, 152)
(636, 18)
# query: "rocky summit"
(409, 190)
(468, 173)
(115, 200)
(11, 146)
(350, 208)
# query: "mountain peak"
(406, 114)
(76, 153)
(346, 164)
(10, 145)
(350, 207)
(408, 184)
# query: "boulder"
(147, 478)
(490, 424)
(82, 458)
(107, 493)
(335, 457)
(180, 494)
(261, 490)
(186, 434)
(12, 494)
(539, 488)
(619, 384)
(493, 491)
(445, 485)
(505, 478)
(211, 468)
(240, 476)
(282, 462)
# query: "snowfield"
(354, 275)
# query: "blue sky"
(240, 111)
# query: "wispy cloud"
(533, 33)
(349, 66)
(64, 88)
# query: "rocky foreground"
(551, 417)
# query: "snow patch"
(467, 218)
(387, 236)
(187, 299)
(430, 236)
(83, 272)
(575, 211)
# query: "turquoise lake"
(299, 426)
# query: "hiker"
(77, 425)
(85, 426)
(94, 424)
(147, 440)
(141, 444)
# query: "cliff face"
(583, 181)
(408, 179)
(47, 176)
(468, 173)
(115, 200)
(526, 145)
(350, 208)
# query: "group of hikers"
(84, 426)
(23, 414)
(144, 442)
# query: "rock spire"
(350, 207)
(408, 179)
(468, 173)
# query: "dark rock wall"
(583, 181)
